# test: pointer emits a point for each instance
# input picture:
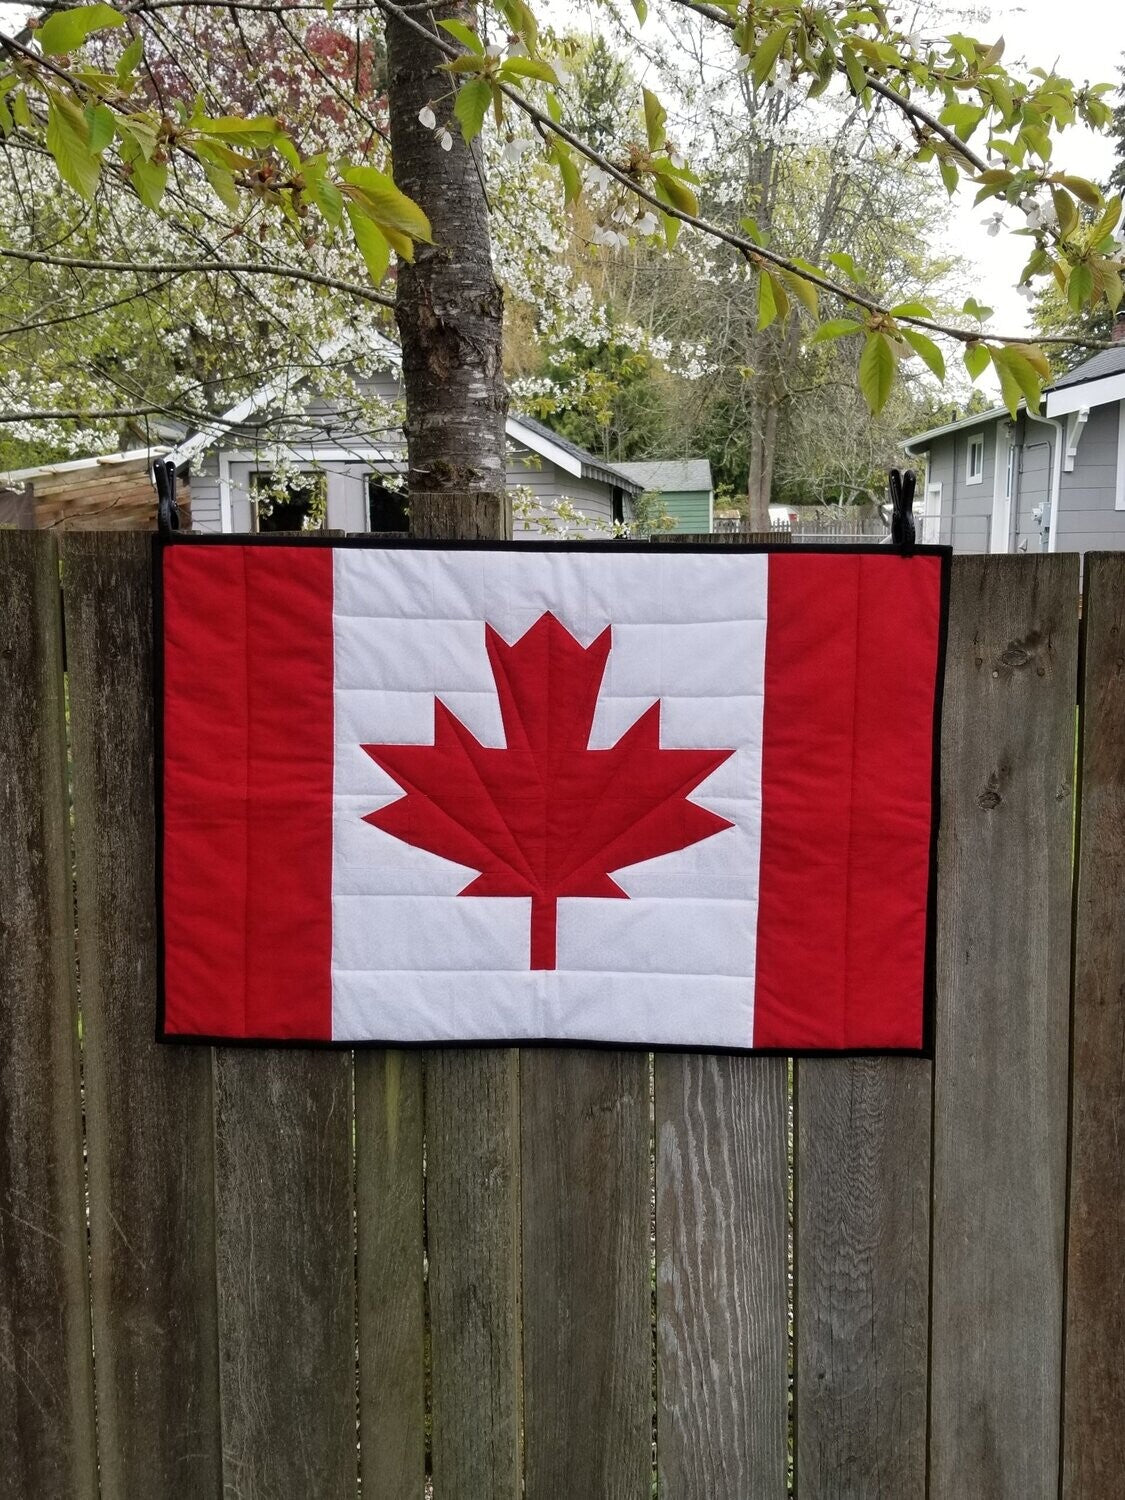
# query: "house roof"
(136, 456)
(1104, 362)
(671, 475)
(922, 440)
(542, 439)
(532, 434)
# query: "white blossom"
(427, 118)
(445, 141)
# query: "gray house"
(353, 470)
(1051, 483)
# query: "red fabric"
(546, 817)
(847, 760)
(248, 718)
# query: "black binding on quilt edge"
(163, 540)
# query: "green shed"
(684, 484)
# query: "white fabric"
(414, 961)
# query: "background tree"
(295, 204)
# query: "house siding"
(549, 484)
(206, 499)
(690, 509)
(1088, 520)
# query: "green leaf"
(767, 53)
(641, 9)
(977, 358)
(370, 242)
(389, 207)
(1108, 221)
(854, 69)
(261, 128)
(529, 67)
(465, 35)
(949, 174)
(138, 132)
(326, 195)
(876, 371)
(1083, 190)
(7, 124)
(65, 30)
(926, 350)
(671, 229)
(150, 178)
(964, 118)
(68, 141)
(911, 310)
(130, 59)
(1018, 378)
(805, 292)
(1079, 286)
(1066, 211)
(973, 309)
(836, 328)
(223, 183)
(102, 124)
(767, 300)
(655, 117)
(471, 106)
(571, 177)
(677, 194)
(844, 262)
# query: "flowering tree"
(273, 197)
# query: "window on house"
(386, 508)
(1010, 477)
(974, 470)
(287, 501)
(618, 503)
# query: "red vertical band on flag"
(247, 792)
(852, 645)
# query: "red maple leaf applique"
(546, 816)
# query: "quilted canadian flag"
(621, 793)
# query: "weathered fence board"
(472, 1219)
(285, 1253)
(862, 1274)
(586, 1158)
(1000, 1107)
(389, 1273)
(148, 1108)
(262, 1223)
(472, 1193)
(46, 1374)
(721, 1297)
(1094, 1412)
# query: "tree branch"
(752, 252)
(906, 105)
(187, 267)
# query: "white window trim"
(970, 477)
(1000, 525)
(931, 519)
(1119, 499)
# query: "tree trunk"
(763, 444)
(448, 304)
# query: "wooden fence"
(226, 1272)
